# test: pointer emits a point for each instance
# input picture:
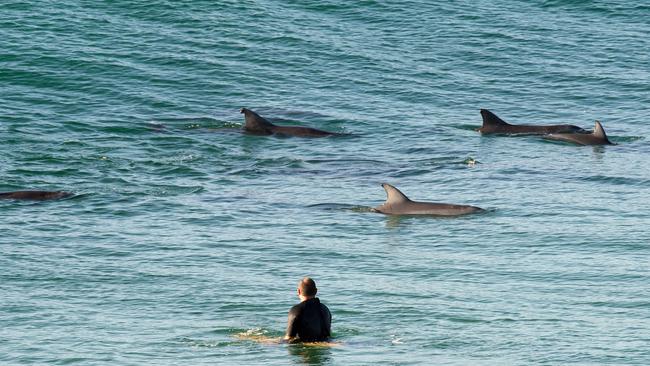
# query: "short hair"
(308, 287)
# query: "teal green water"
(185, 233)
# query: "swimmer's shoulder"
(296, 309)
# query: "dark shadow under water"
(310, 354)
(341, 207)
(396, 221)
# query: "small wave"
(466, 127)
(341, 207)
(191, 123)
(258, 335)
(170, 190)
(197, 343)
(471, 162)
(624, 181)
(342, 162)
(253, 332)
(624, 139)
(294, 113)
(591, 6)
(284, 162)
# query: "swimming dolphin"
(258, 125)
(494, 124)
(597, 137)
(398, 204)
(35, 195)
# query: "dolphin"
(494, 124)
(398, 204)
(35, 195)
(597, 137)
(258, 125)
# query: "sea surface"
(185, 239)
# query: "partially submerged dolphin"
(35, 195)
(258, 125)
(494, 124)
(597, 137)
(398, 204)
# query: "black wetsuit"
(309, 321)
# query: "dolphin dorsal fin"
(491, 119)
(393, 195)
(254, 120)
(599, 131)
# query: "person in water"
(309, 321)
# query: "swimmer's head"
(307, 287)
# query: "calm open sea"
(186, 234)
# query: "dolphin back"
(597, 137)
(301, 131)
(428, 208)
(35, 195)
(258, 125)
(493, 124)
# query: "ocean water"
(186, 239)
